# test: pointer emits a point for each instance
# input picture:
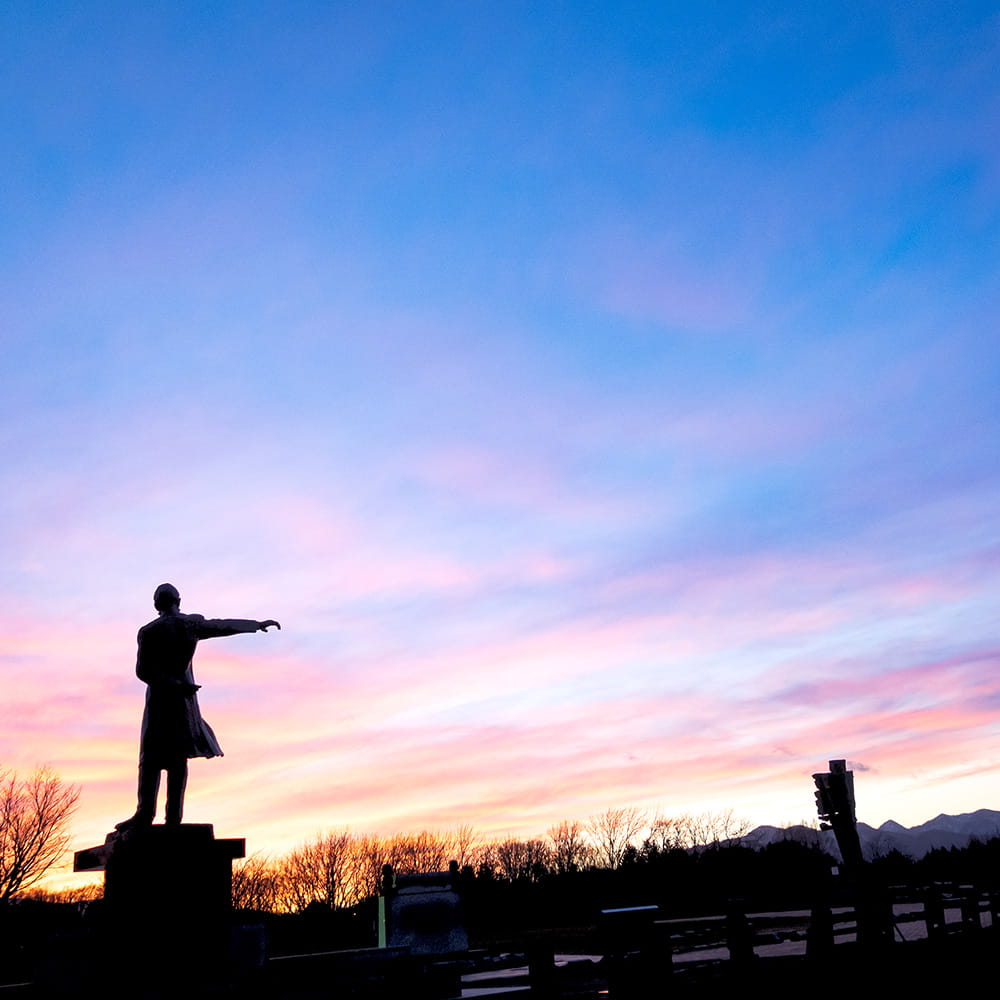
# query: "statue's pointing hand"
(264, 626)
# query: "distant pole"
(388, 890)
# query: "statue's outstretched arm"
(210, 628)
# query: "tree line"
(341, 869)
(622, 854)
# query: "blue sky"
(602, 396)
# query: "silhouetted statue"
(172, 727)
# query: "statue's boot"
(133, 822)
(149, 787)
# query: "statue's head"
(165, 597)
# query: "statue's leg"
(149, 787)
(177, 776)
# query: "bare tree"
(371, 852)
(464, 844)
(426, 851)
(321, 870)
(34, 827)
(485, 858)
(613, 832)
(570, 850)
(721, 828)
(408, 853)
(666, 833)
(78, 894)
(256, 884)
(522, 860)
(693, 831)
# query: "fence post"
(934, 913)
(739, 936)
(970, 909)
(542, 971)
(819, 939)
(873, 910)
(994, 903)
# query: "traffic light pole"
(835, 805)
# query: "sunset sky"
(603, 396)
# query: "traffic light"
(834, 794)
(835, 806)
(825, 806)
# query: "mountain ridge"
(943, 831)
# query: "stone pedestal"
(167, 901)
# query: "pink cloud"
(658, 278)
(671, 690)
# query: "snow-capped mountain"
(942, 831)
